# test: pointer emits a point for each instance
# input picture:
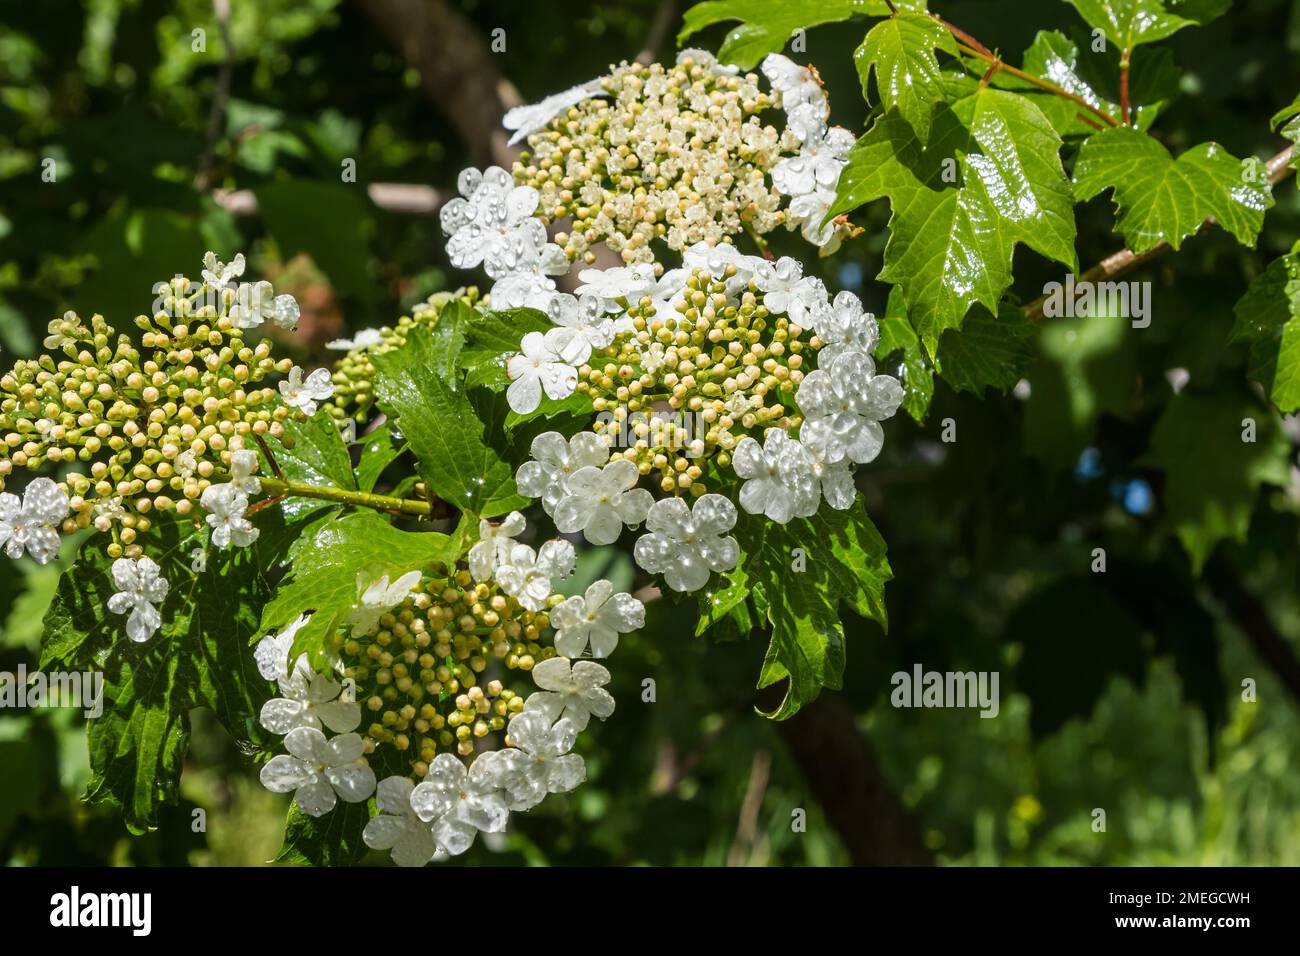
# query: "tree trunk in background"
(458, 71)
(843, 773)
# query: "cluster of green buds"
(677, 153)
(716, 367)
(354, 373)
(143, 425)
(430, 677)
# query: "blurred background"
(1120, 691)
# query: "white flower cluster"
(442, 814)
(811, 176)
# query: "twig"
(278, 487)
(1252, 619)
(1123, 88)
(217, 112)
(1125, 261)
(760, 771)
(406, 199)
(659, 28)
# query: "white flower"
(600, 501)
(310, 699)
(524, 120)
(796, 84)
(843, 406)
(32, 523)
(624, 282)
(460, 802)
(218, 274)
(595, 618)
(254, 304)
(832, 481)
(272, 651)
(685, 544)
(527, 574)
(320, 771)
(717, 257)
(494, 544)
(304, 395)
(844, 327)
(554, 460)
(778, 477)
(539, 366)
(285, 312)
(108, 510)
(707, 60)
(582, 322)
(397, 827)
(530, 286)
(574, 691)
(378, 599)
(366, 338)
(786, 289)
(492, 223)
(186, 463)
(243, 464)
(140, 587)
(810, 178)
(542, 763)
(226, 506)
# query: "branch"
(217, 112)
(659, 28)
(281, 488)
(458, 71)
(406, 199)
(1252, 619)
(1125, 261)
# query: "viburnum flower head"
(554, 460)
(397, 827)
(272, 651)
(527, 575)
(574, 690)
(542, 763)
(545, 363)
(140, 587)
(600, 501)
(378, 598)
(310, 699)
(686, 544)
(320, 772)
(494, 544)
(595, 619)
(31, 524)
(225, 507)
(303, 394)
(843, 406)
(460, 802)
(778, 477)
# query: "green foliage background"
(1120, 693)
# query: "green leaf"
(990, 177)
(448, 336)
(1130, 23)
(914, 369)
(901, 52)
(199, 658)
(325, 564)
(330, 840)
(1268, 319)
(845, 562)
(987, 351)
(766, 26)
(378, 451)
(1287, 122)
(312, 452)
(1163, 199)
(1055, 57)
(438, 421)
(1212, 473)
